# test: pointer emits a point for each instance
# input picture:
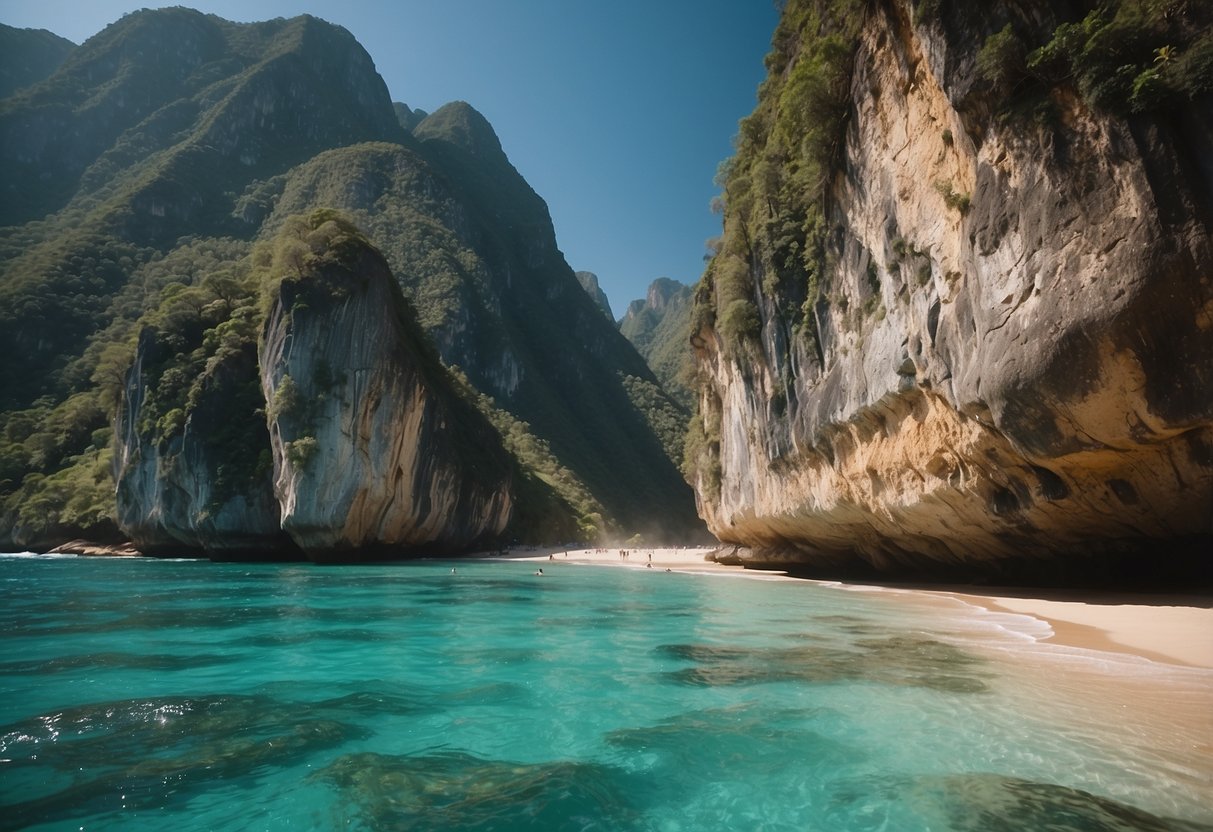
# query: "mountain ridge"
(223, 150)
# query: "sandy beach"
(1166, 629)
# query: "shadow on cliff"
(1179, 567)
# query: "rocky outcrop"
(372, 450)
(207, 488)
(93, 549)
(1008, 363)
(589, 282)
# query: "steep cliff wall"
(370, 451)
(207, 487)
(994, 342)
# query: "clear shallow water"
(138, 694)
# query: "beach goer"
(539, 572)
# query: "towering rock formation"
(971, 329)
(206, 487)
(372, 449)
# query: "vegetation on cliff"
(1122, 56)
(1125, 56)
(775, 201)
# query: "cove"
(147, 694)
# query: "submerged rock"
(133, 750)
(372, 447)
(460, 791)
(897, 660)
(998, 803)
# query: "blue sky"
(617, 112)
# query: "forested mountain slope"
(147, 172)
(659, 327)
(27, 56)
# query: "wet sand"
(1173, 631)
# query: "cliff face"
(1007, 353)
(315, 421)
(369, 450)
(207, 488)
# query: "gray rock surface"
(1030, 378)
(177, 497)
(370, 451)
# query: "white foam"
(37, 555)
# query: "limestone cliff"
(985, 340)
(370, 450)
(205, 488)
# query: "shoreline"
(1174, 630)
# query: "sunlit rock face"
(371, 449)
(1013, 363)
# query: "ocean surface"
(185, 695)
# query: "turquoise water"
(141, 694)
